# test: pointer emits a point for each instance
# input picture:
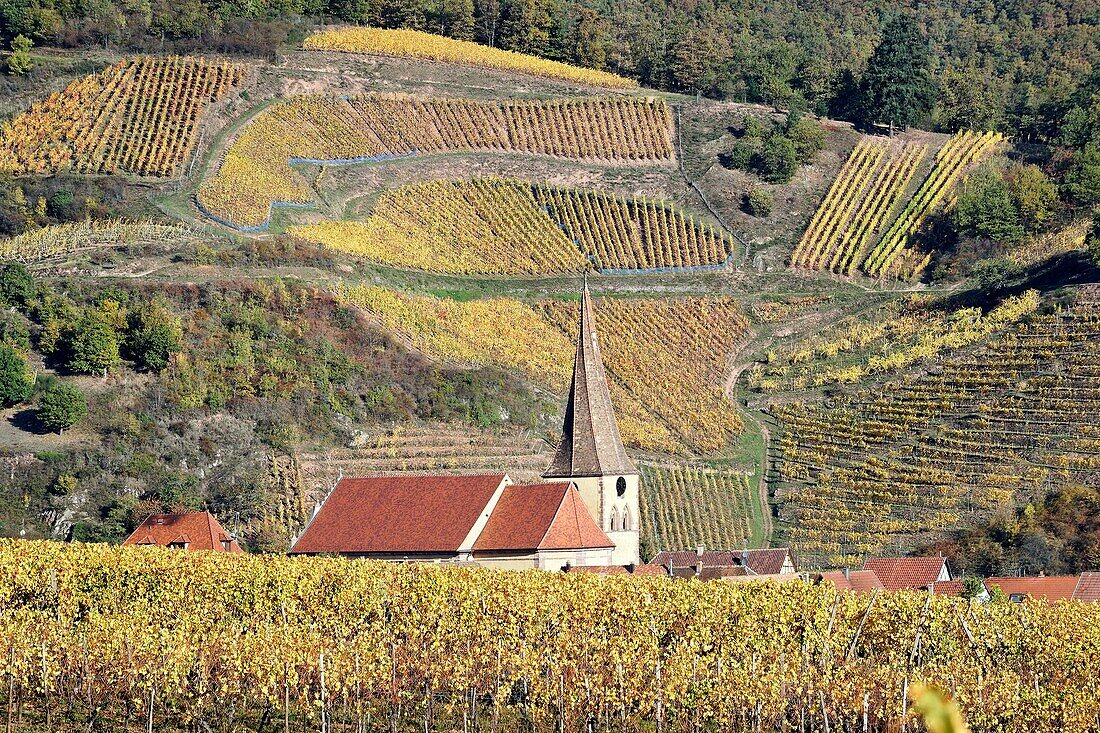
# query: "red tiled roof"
(399, 514)
(194, 530)
(728, 571)
(598, 569)
(762, 562)
(1050, 587)
(540, 517)
(650, 569)
(947, 588)
(857, 580)
(1088, 588)
(897, 573)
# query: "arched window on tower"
(614, 519)
(627, 524)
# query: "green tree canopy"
(897, 88)
(15, 384)
(93, 345)
(20, 60)
(61, 406)
(986, 208)
(778, 160)
(153, 335)
(1082, 180)
(16, 285)
(1035, 195)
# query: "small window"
(620, 486)
(614, 520)
(626, 520)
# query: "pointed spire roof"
(590, 442)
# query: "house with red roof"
(1042, 587)
(484, 519)
(184, 531)
(709, 564)
(860, 581)
(899, 573)
(1088, 588)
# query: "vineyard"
(256, 172)
(684, 506)
(900, 336)
(871, 471)
(139, 116)
(663, 357)
(416, 44)
(509, 227)
(65, 239)
(857, 226)
(102, 638)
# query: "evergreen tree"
(897, 87)
(15, 385)
(61, 406)
(1082, 180)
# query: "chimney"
(699, 550)
(847, 572)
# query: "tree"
(61, 406)
(986, 209)
(93, 346)
(16, 285)
(778, 160)
(807, 136)
(1082, 180)
(758, 202)
(770, 73)
(1093, 238)
(20, 60)
(15, 385)
(153, 335)
(1035, 196)
(967, 100)
(896, 88)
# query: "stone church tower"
(591, 452)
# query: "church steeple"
(590, 442)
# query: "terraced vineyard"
(63, 239)
(684, 506)
(416, 44)
(895, 254)
(664, 357)
(857, 225)
(138, 116)
(870, 471)
(510, 227)
(256, 172)
(863, 196)
(900, 336)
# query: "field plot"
(256, 172)
(664, 357)
(63, 239)
(417, 44)
(684, 506)
(872, 470)
(901, 335)
(857, 226)
(138, 116)
(102, 635)
(510, 227)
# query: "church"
(585, 513)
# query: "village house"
(184, 531)
(586, 514)
(728, 564)
(899, 573)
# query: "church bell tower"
(591, 452)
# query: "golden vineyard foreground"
(101, 638)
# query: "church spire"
(590, 442)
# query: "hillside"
(363, 258)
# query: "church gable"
(540, 517)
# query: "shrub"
(153, 336)
(93, 346)
(986, 208)
(741, 155)
(15, 385)
(758, 202)
(778, 160)
(807, 136)
(16, 285)
(61, 406)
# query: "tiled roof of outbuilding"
(194, 530)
